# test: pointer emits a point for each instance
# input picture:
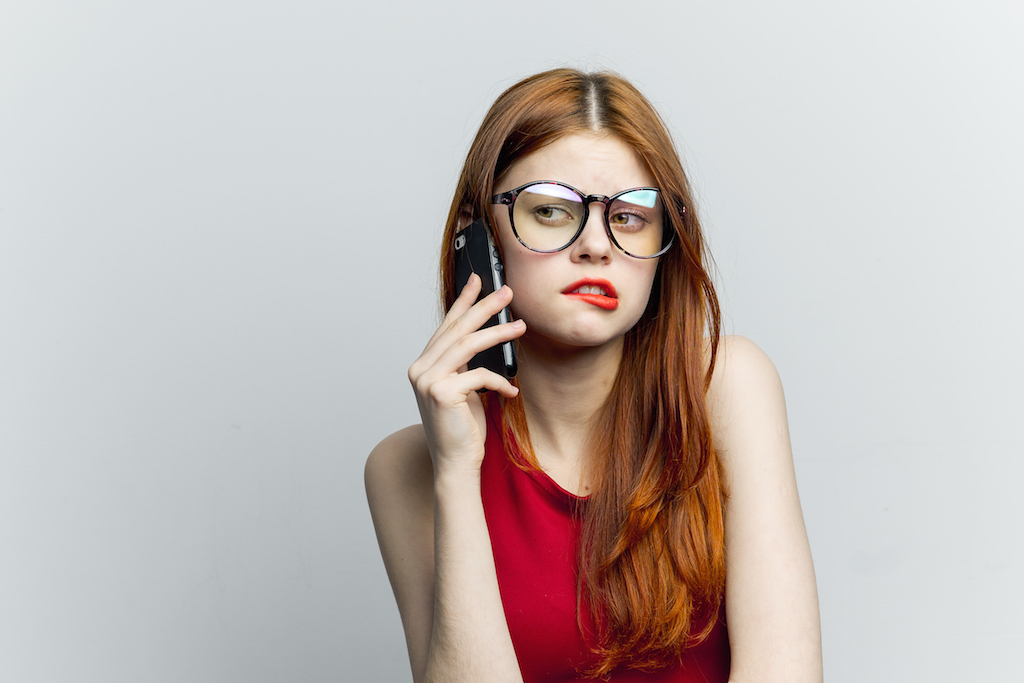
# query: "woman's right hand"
(446, 392)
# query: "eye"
(628, 221)
(552, 215)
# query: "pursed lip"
(606, 298)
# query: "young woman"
(626, 509)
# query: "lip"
(608, 301)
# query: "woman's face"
(590, 293)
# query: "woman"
(626, 509)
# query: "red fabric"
(534, 536)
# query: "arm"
(771, 597)
(423, 486)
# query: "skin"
(423, 483)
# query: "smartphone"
(475, 253)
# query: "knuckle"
(465, 344)
(450, 315)
(420, 384)
(415, 371)
(435, 393)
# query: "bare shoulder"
(745, 398)
(399, 480)
(400, 460)
(740, 369)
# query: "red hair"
(652, 558)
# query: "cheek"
(645, 277)
(524, 276)
(518, 261)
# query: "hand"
(446, 392)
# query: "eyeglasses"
(548, 216)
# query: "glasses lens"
(637, 221)
(547, 216)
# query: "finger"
(482, 378)
(459, 387)
(478, 314)
(466, 324)
(453, 359)
(463, 349)
(462, 303)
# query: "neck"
(563, 392)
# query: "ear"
(465, 218)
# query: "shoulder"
(746, 403)
(741, 366)
(400, 490)
(744, 379)
(401, 454)
(399, 478)
(398, 464)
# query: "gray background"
(219, 225)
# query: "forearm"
(469, 640)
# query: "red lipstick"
(597, 292)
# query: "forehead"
(591, 162)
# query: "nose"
(593, 244)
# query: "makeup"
(600, 293)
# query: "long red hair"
(652, 554)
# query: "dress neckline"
(553, 487)
(542, 478)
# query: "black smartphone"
(475, 253)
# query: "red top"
(534, 536)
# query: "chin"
(569, 341)
(568, 330)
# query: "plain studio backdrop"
(219, 230)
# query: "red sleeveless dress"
(535, 536)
